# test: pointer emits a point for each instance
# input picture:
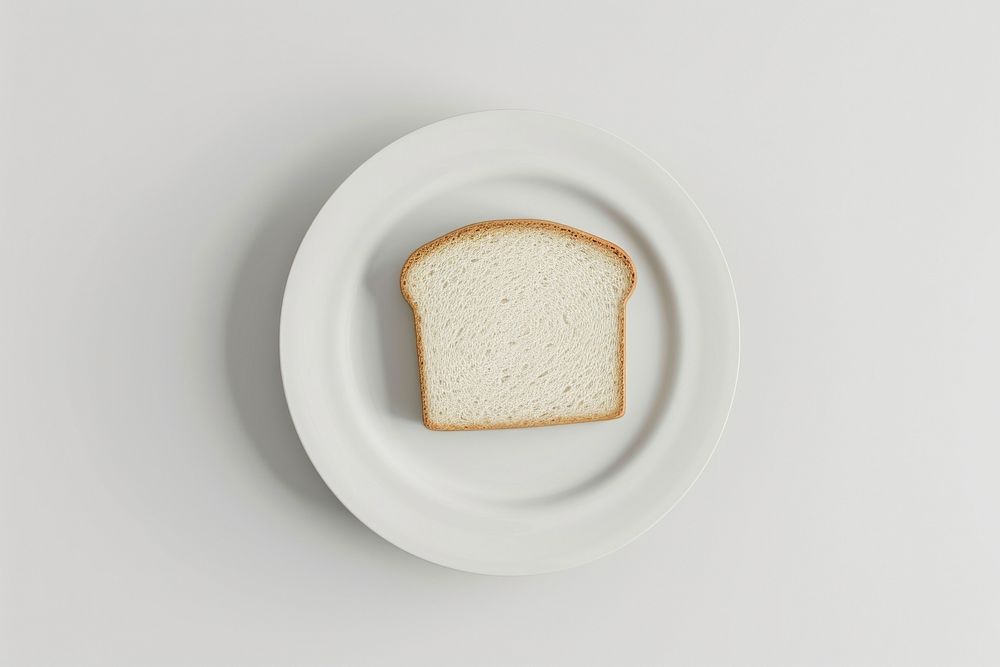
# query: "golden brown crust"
(523, 223)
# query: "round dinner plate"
(518, 501)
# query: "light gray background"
(161, 164)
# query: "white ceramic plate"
(513, 501)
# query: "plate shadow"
(252, 322)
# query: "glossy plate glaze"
(518, 501)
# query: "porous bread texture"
(519, 323)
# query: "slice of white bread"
(519, 323)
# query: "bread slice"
(519, 323)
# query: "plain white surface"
(521, 501)
(160, 165)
